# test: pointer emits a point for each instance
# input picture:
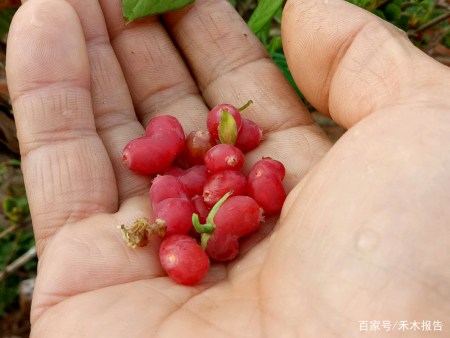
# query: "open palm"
(352, 234)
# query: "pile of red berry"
(202, 202)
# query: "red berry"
(176, 213)
(194, 179)
(224, 157)
(268, 166)
(197, 144)
(183, 259)
(268, 192)
(151, 154)
(166, 129)
(215, 115)
(200, 208)
(222, 247)
(222, 182)
(146, 157)
(166, 186)
(237, 216)
(164, 124)
(173, 171)
(249, 136)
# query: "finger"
(159, 81)
(349, 63)
(66, 169)
(229, 64)
(114, 114)
(81, 252)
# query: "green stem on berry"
(250, 102)
(204, 240)
(207, 229)
(227, 128)
(201, 228)
(215, 208)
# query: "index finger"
(67, 171)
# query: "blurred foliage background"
(426, 23)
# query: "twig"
(8, 230)
(18, 263)
(429, 24)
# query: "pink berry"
(268, 166)
(224, 157)
(197, 144)
(146, 157)
(237, 216)
(173, 171)
(268, 192)
(194, 179)
(164, 124)
(200, 208)
(249, 136)
(154, 152)
(166, 129)
(222, 182)
(176, 214)
(215, 115)
(166, 186)
(183, 259)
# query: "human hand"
(363, 236)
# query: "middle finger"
(159, 81)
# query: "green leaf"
(135, 9)
(379, 13)
(393, 12)
(9, 204)
(280, 61)
(263, 13)
(5, 19)
(275, 45)
(13, 162)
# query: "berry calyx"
(215, 117)
(137, 234)
(227, 129)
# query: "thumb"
(349, 63)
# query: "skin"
(364, 232)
